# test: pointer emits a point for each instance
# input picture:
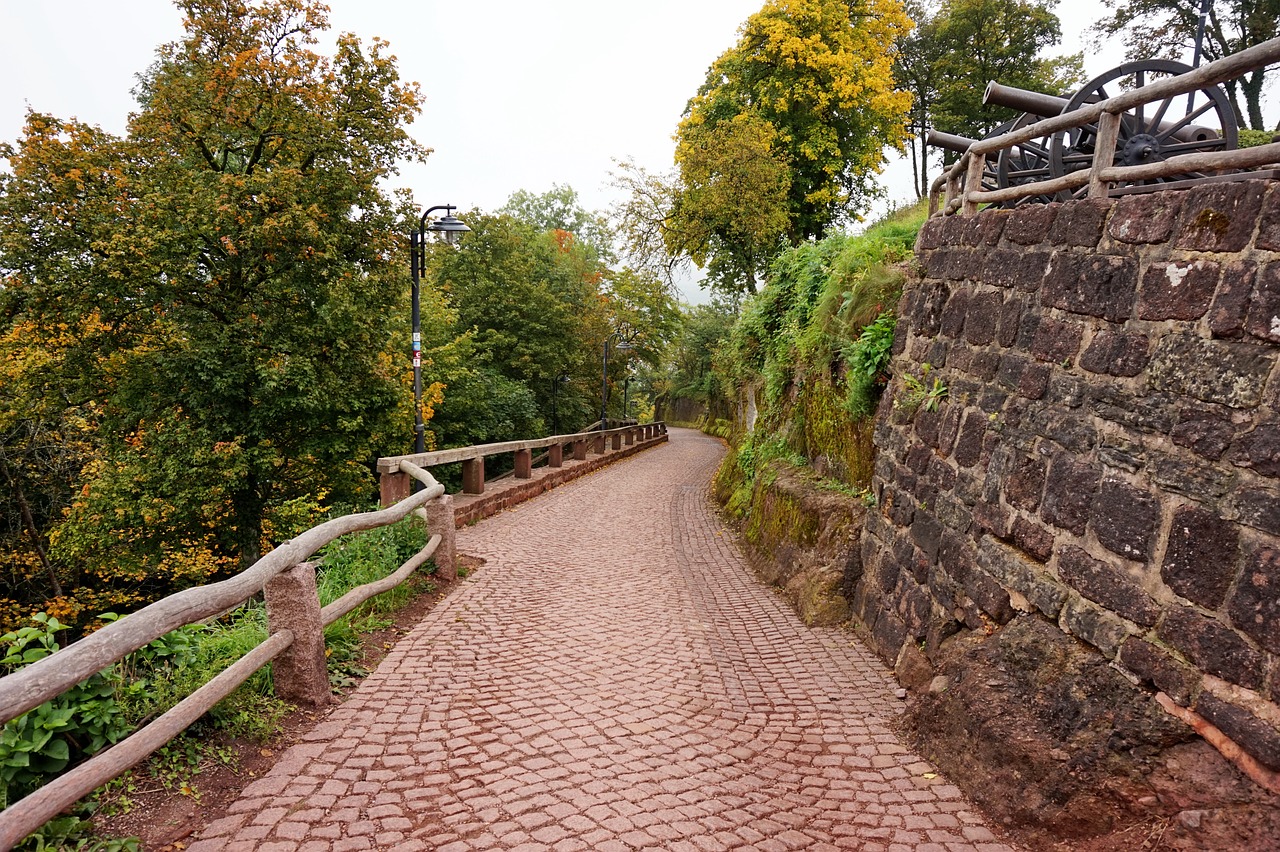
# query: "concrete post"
(440, 521)
(292, 604)
(473, 476)
(555, 455)
(524, 464)
(393, 487)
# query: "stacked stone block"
(1108, 455)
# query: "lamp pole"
(453, 229)
(624, 336)
(559, 380)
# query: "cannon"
(1200, 122)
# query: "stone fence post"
(300, 674)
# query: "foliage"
(1167, 29)
(558, 209)
(917, 392)
(74, 834)
(1254, 138)
(228, 267)
(731, 212)
(960, 45)
(868, 358)
(813, 348)
(691, 369)
(59, 733)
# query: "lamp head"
(450, 226)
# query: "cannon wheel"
(1025, 163)
(1148, 134)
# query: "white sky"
(520, 94)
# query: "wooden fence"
(963, 180)
(294, 617)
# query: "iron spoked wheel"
(1200, 122)
(1025, 163)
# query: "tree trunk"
(30, 523)
(1252, 86)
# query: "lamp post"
(624, 336)
(453, 229)
(626, 407)
(562, 379)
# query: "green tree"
(558, 209)
(1167, 29)
(530, 299)
(230, 264)
(917, 67)
(1003, 40)
(811, 82)
(693, 384)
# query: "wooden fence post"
(616, 441)
(300, 674)
(579, 450)
(555, 455)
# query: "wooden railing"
(964, 179)
(294, 617)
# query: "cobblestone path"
(613, 678)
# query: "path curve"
(614, 678)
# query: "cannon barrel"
(948, 141)
(1038, 103)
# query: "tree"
(558, 209)
(917, 68)
(531, 301)
(644, 220)
(731, 213)
(998, 40)
(238, 259)
(810, 88)
(1167, 29)
(957, 47)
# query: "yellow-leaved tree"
(787, 134)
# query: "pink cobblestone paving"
(614, 678)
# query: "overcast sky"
(519, 94)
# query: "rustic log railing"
(295, 625)
(963, 180)
(295, 620)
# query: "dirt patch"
(166, 818)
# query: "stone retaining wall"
(1107, 458)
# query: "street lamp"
(562, 379)
(624, 336)
(452, 229)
